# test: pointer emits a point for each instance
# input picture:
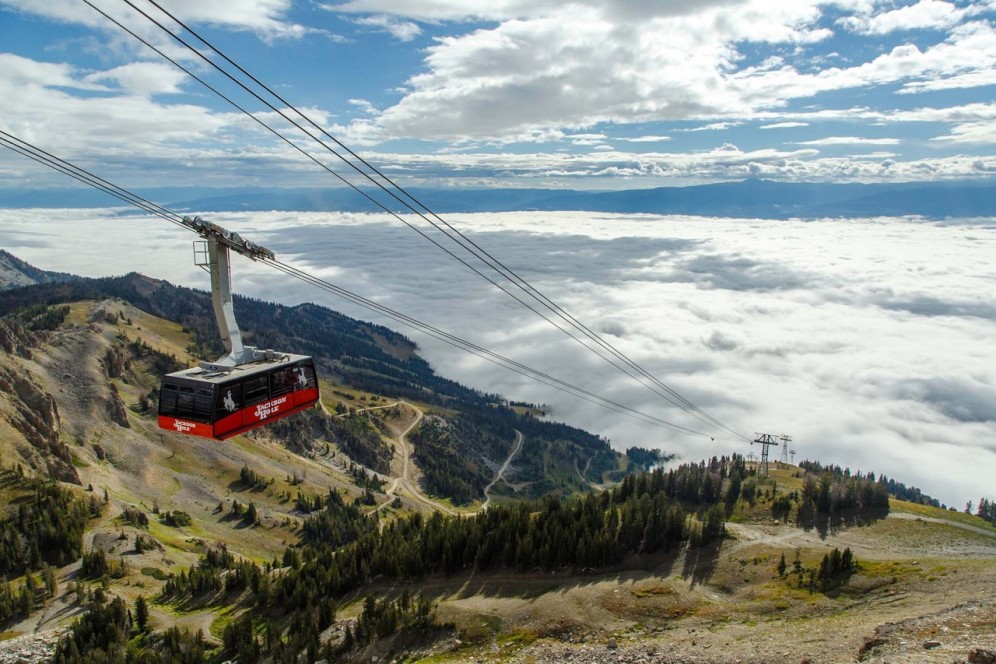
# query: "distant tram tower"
(765, 440)
(785, 447)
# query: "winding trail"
(581, 473)
(405, 483)
(363, 410)
(501, 471)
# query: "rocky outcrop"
(38, 647)
(116, 408)
(115, 362)
(15, 340)
(36, 417)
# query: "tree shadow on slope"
(825, 524)
(700, 563)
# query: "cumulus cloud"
(532, 70)
(983, 133)
(644, 139)
(725, 162)
(960, 398)
(714, 126)
(400, 30)
(526, 74)
(924, 15)
(851, 140)
(264, 17)
(142, 78)
(38, 104)
(502, 10)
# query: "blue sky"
(591, 94)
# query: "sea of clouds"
(869, 341)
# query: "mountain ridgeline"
(748, 198)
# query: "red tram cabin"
(220, 405)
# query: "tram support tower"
(785, 447)
(765, 440)
(212, 254)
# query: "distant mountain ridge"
(14, 273)
(747, 198)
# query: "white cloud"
(982, 133)
(117, 123)
(364, 106)
(858, 114)
(644, 139)
(400, 30)
(503, 10)
(784, 125)
(725, 162)
(924, 15)
(960, 60)
(975, 78)
(533, 72)
(714, 126)
(536, 73)
(142, 78)
(264, 17)
(18, 71)
(850, 140)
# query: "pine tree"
(51, 583)
(782, 566)
(141, 613)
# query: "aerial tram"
(247, 387)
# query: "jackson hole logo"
(183, 427)
(229, 402)
(264, 410)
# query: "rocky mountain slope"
(14, 272)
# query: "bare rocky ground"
(30, 647)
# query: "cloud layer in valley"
(867, 340)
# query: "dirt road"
(404, 482)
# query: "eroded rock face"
(114, 362)
(15, 340)
(982, 656)
(116, 408)
(37, 419)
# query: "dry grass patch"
(938, 513)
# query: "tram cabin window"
(257, 390)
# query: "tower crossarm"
(230, 239)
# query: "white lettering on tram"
(183, 427)
(264, 410)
